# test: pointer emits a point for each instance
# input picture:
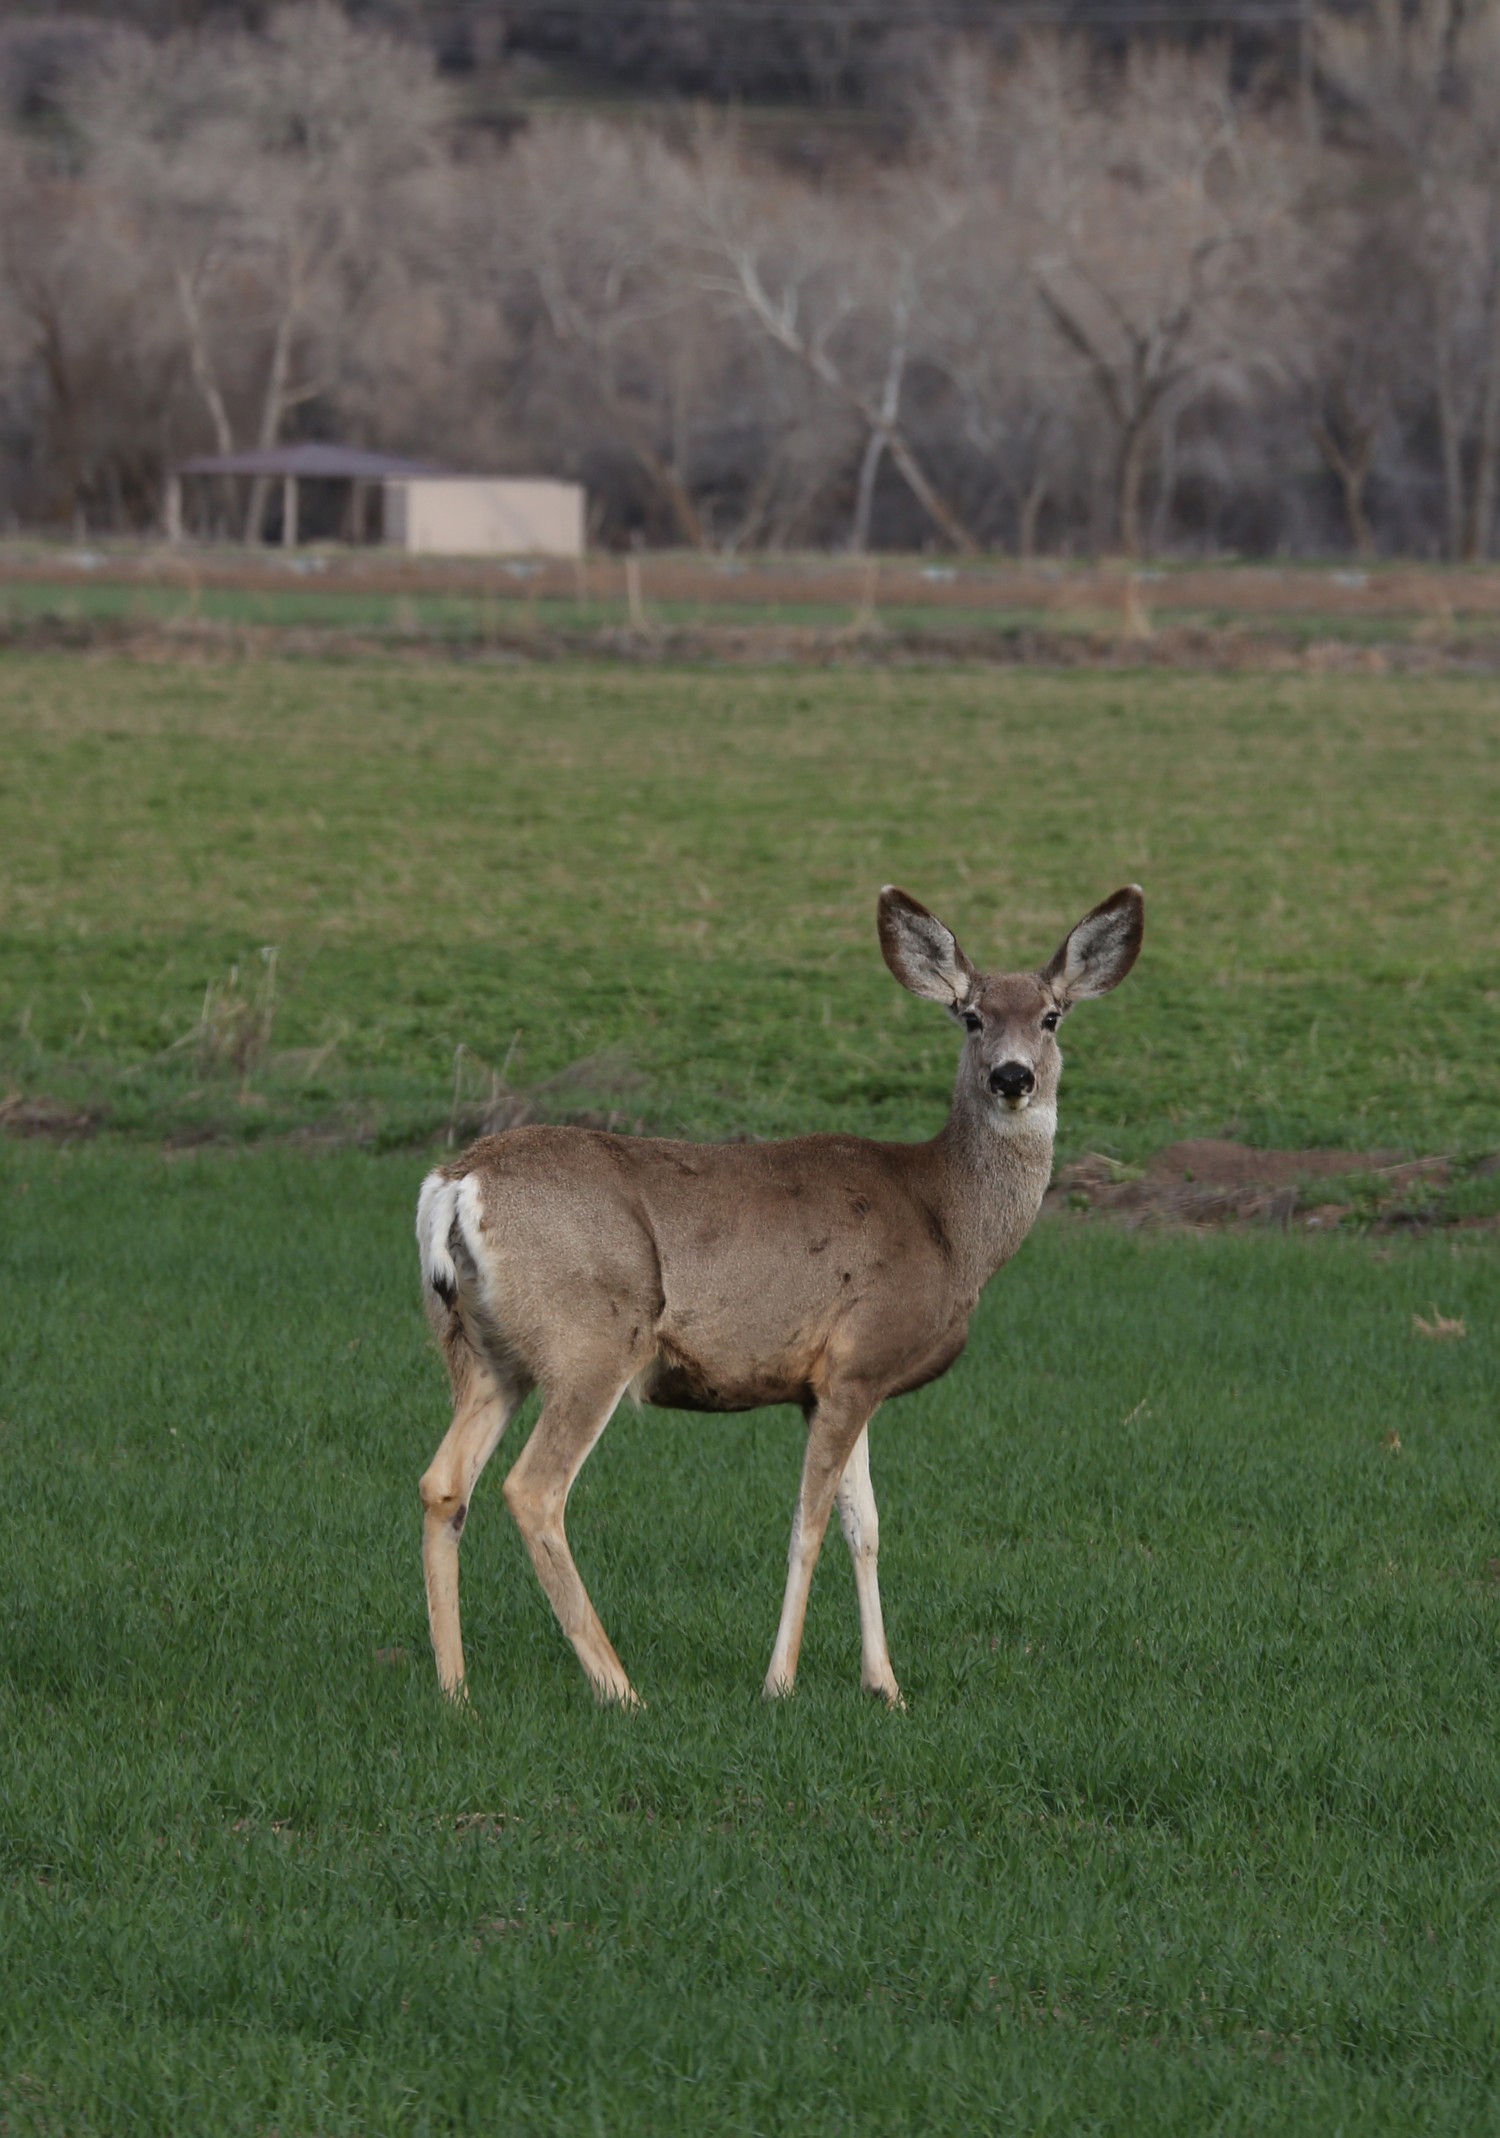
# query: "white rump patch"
(471, 1216)
(437, 1206)
(441, 1204)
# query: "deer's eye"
(973, 1022)
(1051, 1021)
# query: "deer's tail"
(443, 1204)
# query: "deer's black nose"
(1012, 1080)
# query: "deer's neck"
(995, 1168)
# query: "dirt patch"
(1234, 648)
(1215, 1163)
(47, 1118)
(1210, 1181)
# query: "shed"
(292, 465)
(480, 516)
(424, 508)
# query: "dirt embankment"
(1207, 1181)
(1237, 648)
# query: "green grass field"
(679, 869)
(1190, 1825)
(1191, 1566)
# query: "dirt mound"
(1211, 1181)
(48, 1118)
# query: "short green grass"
(1190, 1825)
(549, 865)
(1190, 1566)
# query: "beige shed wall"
(462, 516)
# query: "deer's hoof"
(621, 1696)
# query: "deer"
(832, 1272)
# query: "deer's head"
(1011, 1059)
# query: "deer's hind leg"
(536, 1492)
(485, 1401)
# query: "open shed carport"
(362, 473)
(404, 504)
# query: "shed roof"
(310, 458)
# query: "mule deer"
(830, 1272)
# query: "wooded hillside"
(1099, 290)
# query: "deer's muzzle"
(1012, 1081)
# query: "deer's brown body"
(832, 1272)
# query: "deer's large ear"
(922, 953)
(1100, 951)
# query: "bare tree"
(1356, 327)
(80, 338)
(836, 284)
(1426, 80)
(270, 170)
(1346, 432)
(1015, 410)
(585, 246)
(1160, 214)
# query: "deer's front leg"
(837, 1424)
(855, 1499)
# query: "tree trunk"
(1451, 437)
(273, 403)
(1351, 463)
(1031, 511)
(201, 364)
(890, 408)
(756, 507)
(663, 476)
(947, 520)
(1482, 504)
(1130, 481)
(204, 378)
(669, 484)
(1166, 485)
(68, 452)
(864, 496)
(1354, 508)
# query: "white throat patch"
(1037, 1119)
